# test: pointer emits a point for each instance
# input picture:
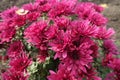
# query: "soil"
(112, 12)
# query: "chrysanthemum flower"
(104, 33)
(7, 32)
(20, 63)
(9, 13)
(110, 47)
(11, 74)
(84, 28)
(35, 34)
(97, 19)
(15, 49)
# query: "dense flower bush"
(58, 40)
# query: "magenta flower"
(115, 65)
(6, 32)
(60, 44)
(110, 47)
(15, 49)
(7, 35)
(42, 55)
(55, 76)
(62, 22)
(108, 59)
(20, 63)
(66, 34)
(45, 7)
(11, 74)
(78, 56)
(32, 16)
(59, 9)
(110, 76)
(84, 28)
(70, 3)
(61, 74)
(97, 19)
(98, 8)
(38, 35)
(9, 13)
(41, 1)
(30, 7)
(19, 20)
(92, 74)
(12, 18)
(52, 31)
(84, 9)
(35, 34)
(103, 33)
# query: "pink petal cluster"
(9, 13)
(69, 28)
(103, 33)
(110, 47)
(11, 74)
(6, 32)
(114, 64)
(15, 49)
(36, 34)
(18, 63)
(71, 39)
(62, 74)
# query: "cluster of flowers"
(18, 62)
(74, 30)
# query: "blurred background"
(112, 12)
